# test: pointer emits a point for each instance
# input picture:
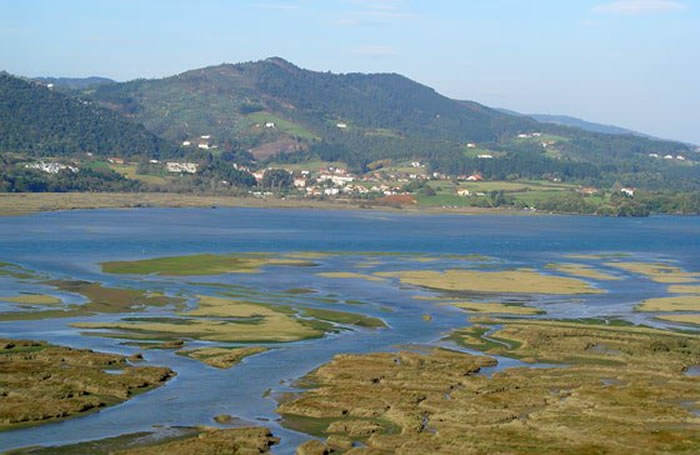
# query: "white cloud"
(631, 7)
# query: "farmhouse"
(475, 178)
(627, 191)
(464, 192)
(50, 168)
(181, 168)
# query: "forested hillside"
(38, 121)
(274, 108)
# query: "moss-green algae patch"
(202, 264)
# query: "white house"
(181, 168)
(668, 157)
(680, 157)
(627, 191)
(203, 146)
(471, 145)
(464, 192)
(331, 191)
(270, 125)
(485, 156)
(50, 167)
(300, 182)
(186, 143)
(206, 137)
(654, 155)
(341, 125)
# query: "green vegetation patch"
(200, 264)
(342, 317)
(101, 299)
(222, 357)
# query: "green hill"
(38, 121)
(280, 111)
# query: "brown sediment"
(41, 383)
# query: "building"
(471, 145)
(485, 156)
(50, 167)
(680, 157)
(342, 126)
(654, 155)
(270, 125)
(181, 168)
(464, 192)
(186, 143)
(300, 182)
(627, 191)
(203, 146)
(475, 178)
(115, 160)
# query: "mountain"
(73, 83)
(234, 102)
(565, 120)
(38, 121)
(281, 112)
(574, 122)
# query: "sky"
(631, 63)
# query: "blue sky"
(633, 63)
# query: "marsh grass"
(219, 357)
(658, 272)
(582, 271)
(673, 303)
(520, 281)
(201, 264)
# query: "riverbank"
(12, 204)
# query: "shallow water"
(71, 245)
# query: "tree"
(277, 179)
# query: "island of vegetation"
(617, 386)
(41, 383)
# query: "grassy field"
(281, 125)
(129, 171)
(24, 203)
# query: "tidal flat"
(248, 306)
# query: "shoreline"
(17, 204)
